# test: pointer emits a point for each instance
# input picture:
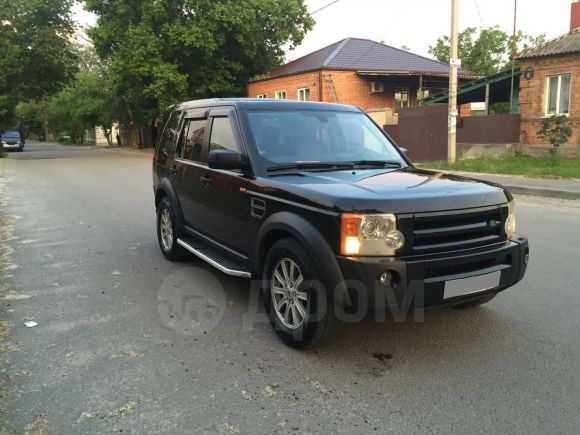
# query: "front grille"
(454, 230)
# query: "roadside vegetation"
(485, 50)
(139, 58)
(550, 166)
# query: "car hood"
(408, 190)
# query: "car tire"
(476, 302)
(307, 318)
(167, 231)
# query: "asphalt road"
(127, 341)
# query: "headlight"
(370, 234)
(510, 222)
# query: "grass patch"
(550, 166)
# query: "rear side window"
(194, 131)
(222, 135)
(170, 132)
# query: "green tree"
(164, 52)
(34, 116)
(86, 103)
(36, 57)
(484, 51)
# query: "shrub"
(555, 130)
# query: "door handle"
(205, 180)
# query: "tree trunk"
(133, 131)
(108, 132)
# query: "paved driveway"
(127, 341)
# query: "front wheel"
(300, 308)
(166, 232)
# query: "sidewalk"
(553, 188)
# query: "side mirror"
(227, 159)
(403, 149)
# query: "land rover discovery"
(316, 202)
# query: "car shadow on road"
(442, 335)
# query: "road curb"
(519, 189)
(537, 191)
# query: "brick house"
(375, 77)
(550, 82)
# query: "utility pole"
(513, 57)
(454, 63)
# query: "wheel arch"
(287, 224)
(164, 189)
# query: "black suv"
(316, 202)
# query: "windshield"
(308, 136)
(11, 134)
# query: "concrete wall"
(471, 151)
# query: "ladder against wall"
(333, 96)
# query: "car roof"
(267, 104)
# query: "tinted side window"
(170, 132)
(222, 135)
(194, 132)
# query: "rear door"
(190, 165)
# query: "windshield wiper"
(311, 165)
(381, 163)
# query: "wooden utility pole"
(513, 57)
(454, 63)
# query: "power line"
(409, 3)
(82, 36)
(479, 13)
(324, 7)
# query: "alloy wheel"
(166, 229)
(290, 304)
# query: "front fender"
(311, 239)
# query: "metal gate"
(422, 131)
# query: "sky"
(416, 23)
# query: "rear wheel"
(167, 232)
(300, 308)
(476, 302)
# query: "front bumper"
(421, 282)
(11, 145)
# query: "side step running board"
(216, 260)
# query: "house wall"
(290, 84)
(533, 95)
(344, 87)
(354, 89)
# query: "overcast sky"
(418, 23)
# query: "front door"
(226, 206)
